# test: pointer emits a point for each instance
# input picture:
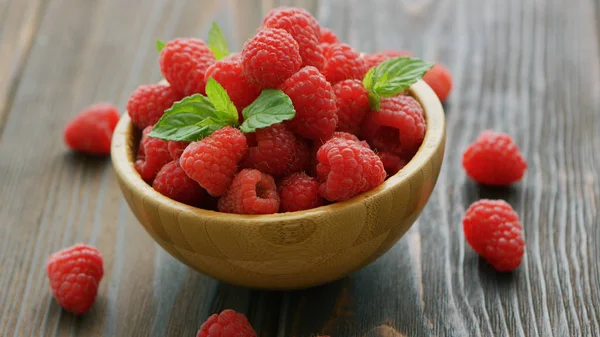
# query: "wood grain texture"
(528, 67)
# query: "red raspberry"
(92, 129)
(148, 103)
(226, 324)
(314, 102)
(270, 57)
(373, 60)
(176, 148)
(494, 159)
(352, 101)
(274, 151)
(74, 275)
(328, 36)
(251, 192)
(228, 72)
(153, 154)
(346, 168)
(342, 63)
(392, 162)
(213, 161)
(301, 160)
(183, 63)
(298, 192)
(171, 181)
(397, 127)
(304, 28)
(440, 80)
(494, 231)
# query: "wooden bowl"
(288, 250)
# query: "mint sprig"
(271, 107)
(224, 107)
(392, 77)
(160, 45)
(216, 42)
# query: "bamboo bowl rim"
(123, 157)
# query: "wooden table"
(531, 68)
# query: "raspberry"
(346, 168)
(148, 103)
(228, 72)
(373, 60)
(352, 101)
(183, 62)
(226, 324)
(314, 102)
(440, 80)
(74, 275)
(91, 130)
(171, 181)
(270, 57)
(213, 161)
(342, 63)
(392, 162)
(176, 148)
(304, 28)
(403, 117)
(251, 192)
(301, 159)
(274, 151)
(494, 159)
(152, 156)
(328, 36)
(298, 192)
(494, 231)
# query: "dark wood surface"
(527, 67)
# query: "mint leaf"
(271, 107)
(224, 107)
(216, 42)
(190, 119)
(392, 77)
(160, 45)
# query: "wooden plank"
(531, 69)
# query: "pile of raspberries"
(333, 149)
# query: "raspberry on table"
(251, 192)
(226, 324)
(346, 168)
(342, 62)
(304, 28)
(172, 182)
(314, 103)
(275, 149)
(299, 192)
(92, 129)
(352, 101)
(74, 275)
(328, 36)
(176, 148)
(493, 229)
(213, 161)
(153, 154)
(270, 57)
(392, 162)
(398, 126)
(183, 63)
(228, 72)
(439, 79)
(494, 159)
(147, 103)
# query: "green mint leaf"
(160, 45)
(216, 42)
(271, 107)
(392, 77)
(190, 119)
(224, 107)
